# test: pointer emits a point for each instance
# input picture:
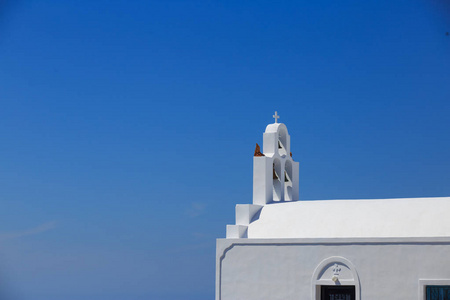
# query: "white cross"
(276, 117)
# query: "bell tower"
(275, 177)
(275, 173)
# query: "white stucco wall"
(283, 269)
(404, 217)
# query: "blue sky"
(127, 128)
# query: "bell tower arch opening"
(277, 177)
(282, 142)
(288, 193)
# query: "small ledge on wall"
(245, 214)
(236, 231)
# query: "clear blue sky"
(127, 128)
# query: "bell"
(274, 174)
(258, 151)
(286, 178)
(279, 145)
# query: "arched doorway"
(335, 278)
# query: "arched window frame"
(317, 282)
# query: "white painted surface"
(292, 269)
(246, 212)
(276, 148)
(262, 180)
(408, 217)
(236, 231)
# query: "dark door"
(337, 292)
(438, 292)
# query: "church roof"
(406, 217)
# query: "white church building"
(284, 249)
